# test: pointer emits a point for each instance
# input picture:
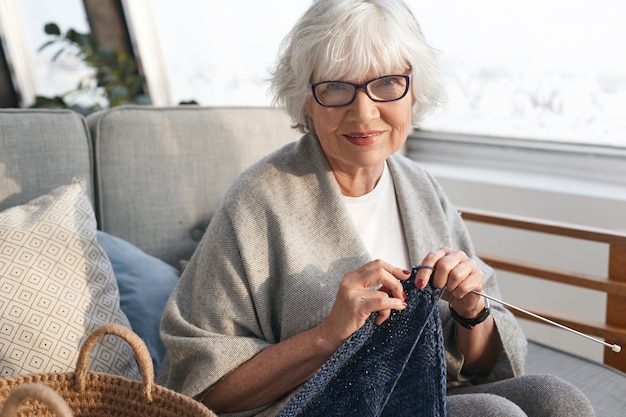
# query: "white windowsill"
(590, 171)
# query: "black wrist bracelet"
(469, 323)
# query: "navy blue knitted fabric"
(394, 369)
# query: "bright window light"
(547, 70)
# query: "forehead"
(359, 76)
(358, 65)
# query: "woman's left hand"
(460, 275)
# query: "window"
(214, 52)
(546, 70)
(550, 70)
(22, 29)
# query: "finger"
(392, 304)
(382, 316)
(426, 270)
(446, 272)
(377, 301)
(398, 273)
(464, 278)
(421, 277)
(381, 274)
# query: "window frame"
(578, 169)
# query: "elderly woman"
(313, 239)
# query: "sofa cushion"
(57, 286)
(145, 284)
(41, 150)
(161, 171)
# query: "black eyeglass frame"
(362, 85)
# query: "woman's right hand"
(373, 287)
(283, 366)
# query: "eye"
(336, 86)
(390, 81)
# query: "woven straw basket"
(39, 392)
(91, 394)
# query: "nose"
(363, 107)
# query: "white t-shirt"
(377, 219)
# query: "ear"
(307, 106)
(309, 114)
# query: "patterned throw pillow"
(56, 286)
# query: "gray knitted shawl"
(269, 266)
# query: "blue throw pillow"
(145, 283)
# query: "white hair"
(347, 39)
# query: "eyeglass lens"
(340, 93)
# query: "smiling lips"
(362, 138)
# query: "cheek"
(400, 118)
(323, 119)
(401, 127)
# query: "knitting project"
(394, 369)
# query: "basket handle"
(40, 392)
(135, 342)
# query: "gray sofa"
(154, 177)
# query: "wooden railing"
(613, 329)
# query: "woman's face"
(359, 137)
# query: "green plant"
(116, 79)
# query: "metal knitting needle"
(614, 347)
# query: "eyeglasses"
(342, 93)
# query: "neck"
(359, 183)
